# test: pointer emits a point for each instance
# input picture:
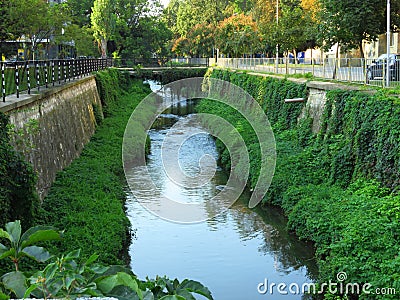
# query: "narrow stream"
(231, 253)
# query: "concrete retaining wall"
(51, 128)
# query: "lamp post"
(388, 44)
(277, 46)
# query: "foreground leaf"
(196, 287)
(15, 282)
(37, 253)
(39, 234)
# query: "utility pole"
(388, 44)
(277, 46)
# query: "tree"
(350, 22)
(201, 39)
(237, 35)
(103, 23)
(191, 13)
(80, 11)
(140, 31)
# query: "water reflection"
(231, 253)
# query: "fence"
(161, 62)
(25, 76)
(354, 70)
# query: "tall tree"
(103, 23)
(80, 10)
(237, 35)
(350, 22)
(201, 39)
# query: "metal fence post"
(17, 78)
(28, 78)
(52, 72)
(37, 76)
(3, 82)
(46, 75)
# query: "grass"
(87, 198)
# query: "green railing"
(28, 76)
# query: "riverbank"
(87, 199)
(338, 188)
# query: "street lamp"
(388, 44)
(277, 46)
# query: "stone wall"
(51, 128)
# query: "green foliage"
(350, 22)
(18, 198)
(171, 74)
(69, 277)
(89, 194)
(107, 81)
(20, 246)
(338, 188)
(164, 288)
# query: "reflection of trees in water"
(289, 253)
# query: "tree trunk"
(360, 45)
(103, 48)
(336, 62)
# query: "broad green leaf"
(148, 295)
(99, 269)
(124, 293)
(37, 253)
(128, 280)
(172, 297)
(15, 281)
(107, 284)
(73, 254)
(39, 234)
(6, 253)
(91, 259)
(14, 230)
(30, 290)
(50, 270)
(196, 287)
(3, 249)
(4, 234)
(185, 294)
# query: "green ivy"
(18, 198)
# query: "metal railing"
(27, 76)
(163, 62)
(352, 70)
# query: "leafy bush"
(69, 277)
(169, 75)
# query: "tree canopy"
(127, 28)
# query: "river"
(237, 254)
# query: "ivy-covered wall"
(338, 187)
(18, 199)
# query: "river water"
(237, 254)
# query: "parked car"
(377, 69)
